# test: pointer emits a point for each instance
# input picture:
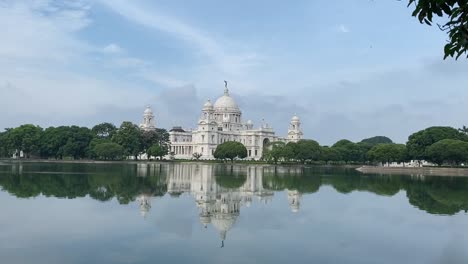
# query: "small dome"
(208, 105)
(249, 122)
(148, 110)
(295, 118)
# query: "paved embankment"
(426, 171)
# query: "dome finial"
(226, 90)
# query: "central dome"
(226, 102)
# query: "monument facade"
(221, 122)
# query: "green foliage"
(421, 140)
(464, 130)
(450, 151)
(377, 140)
(109, 150)
(329, 154)
(52, 142)
(157, 151)
(274, 151)
(289, 151)
(5, 149)
(64, 141)
(457, 26)
(78, 139)
(129, 136)
(158, 137)
(104, 130)
(388, 153)
(230, 150)
(25, 138)
(350, 151)
(307, 150)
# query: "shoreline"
(16, 161)
(419, 171)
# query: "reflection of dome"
(223, 223)
(205, 219)
(226, 102)
(145, 204)
(294, 200)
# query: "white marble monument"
(221, 122)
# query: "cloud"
(233, 63)
(112, 49)
(343, 28)
(40, 31)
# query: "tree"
(377, 140)
(274, 151)
(109, 150)
(456, 27)
(350, 151)
(157, 136)
(230, 150)
(157, 151)
(464, 130)
(289, 151)
(78, 140)
(328, 154)
(59, 142)
(307, 150)
(26, 138)
(104, 130)
(197, 155)
(129, 136)
(53, 141)
(388, 153)
(421, 140)
(5, 147)
(448, 151)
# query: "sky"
(348, 68)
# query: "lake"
(214, 213)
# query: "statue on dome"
(225, 84)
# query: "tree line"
(439, 145)
(103, 141)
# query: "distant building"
(221, 122)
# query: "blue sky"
(349, 69)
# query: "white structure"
(221, 122)
(148, 119)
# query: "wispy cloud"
(112, 48)
(213, 49)
(343, 28)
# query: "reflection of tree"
(382, 185)
(104, 184)
(439, 195)
(230, 177)
(435, 195)
(301, 183)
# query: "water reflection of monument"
(219, 191)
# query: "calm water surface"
(194, 213)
